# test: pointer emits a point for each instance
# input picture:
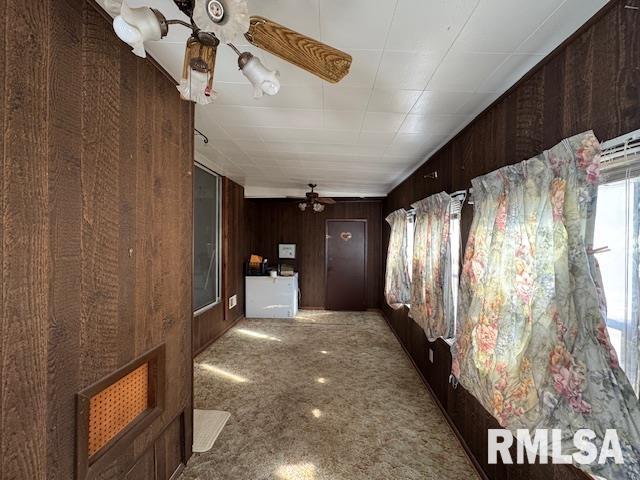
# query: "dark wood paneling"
(270, 222)
(234, 247)
(95, 238)
(212, 324)
(591, 82)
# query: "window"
(206, 239)
(615, 244)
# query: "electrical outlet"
(431, 355)
(233, 301)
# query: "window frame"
(624, 173)
(218, 251)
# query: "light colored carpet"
(325, 396)
(207, 425)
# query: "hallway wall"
(95, 238)
(273, 221)
(592, 81)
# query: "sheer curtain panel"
(396, 286)
(431, 292)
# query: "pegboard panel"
(113, 409)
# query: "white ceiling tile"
(266, 117)
(308, 135)
(376, 138)
(475, 104)
(431, 102)
(337, 97)
(406, 70)
(241, 133)
(464, 72)
(364, 68)
(205, 123)
(501, 25)
(382, 121)
(397, 101)
(169, 55)
(566, 20)
(356, 24)
(509, 72)
(428, 25)
(413, 145)
(299, 15)
(432, 124)
(289, 96)
(343, 119)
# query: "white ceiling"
(422, 70)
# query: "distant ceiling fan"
(314, 201)
(215, 21)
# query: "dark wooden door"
(346, 264)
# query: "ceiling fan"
(224, 21)
(314, 201)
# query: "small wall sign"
(287, 250)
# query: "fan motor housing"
(215, 10)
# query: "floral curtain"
(532, 345)
(431, 295)
(396, 287)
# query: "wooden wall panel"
(25, 258)
(212, 324)
(592, 81)
(234, 247)
(270, 222)
(95, 239)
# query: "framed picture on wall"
(287, 250)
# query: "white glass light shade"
(302, 206)
(262, 79)
(135, 26)
(196, 88)
(318, 207)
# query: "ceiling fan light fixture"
(264, 81)
(134, 26)
(318, 207)
(196, 84)
(302, 206)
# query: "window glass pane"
(454, 239)
(409, 253)
(617, 228)
(206, 271)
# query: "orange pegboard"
(115, 407)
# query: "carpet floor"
(326, 396)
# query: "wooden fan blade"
(315, 57)
(325, 200)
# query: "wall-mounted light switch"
(233, 301)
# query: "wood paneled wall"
(211, 325)
(592, 81)
(95, 238)
(270, 222)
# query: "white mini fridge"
(268, 297)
